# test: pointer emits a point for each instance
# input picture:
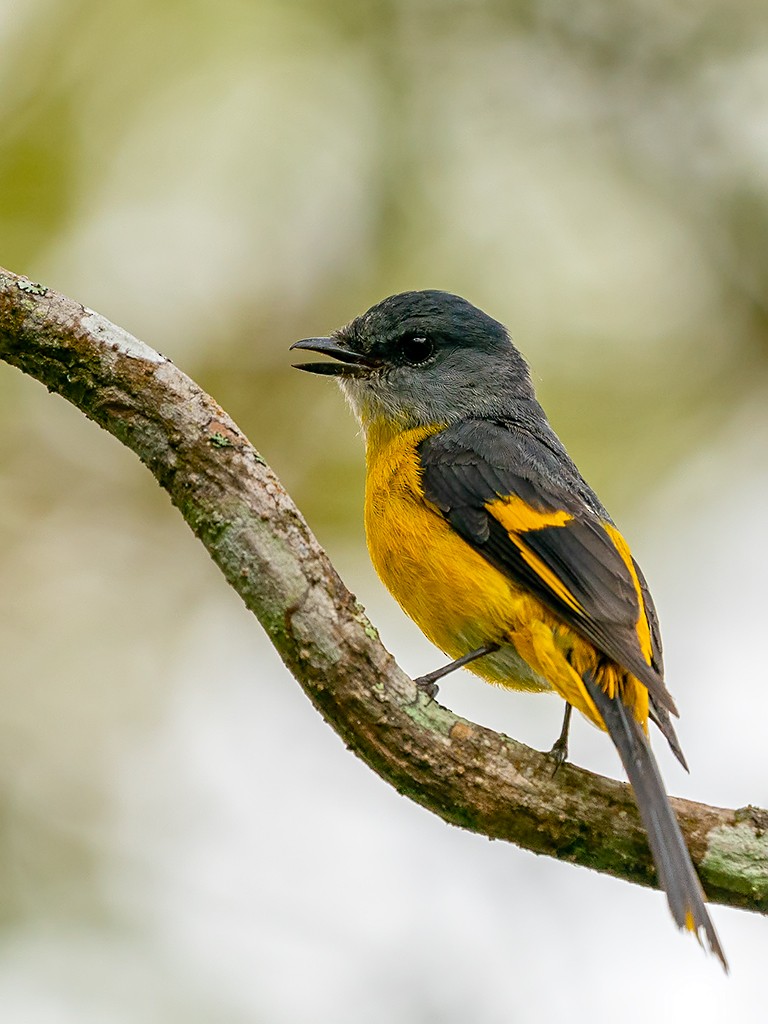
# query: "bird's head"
(423, 358)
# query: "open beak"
(349, 363)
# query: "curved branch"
(468, 775)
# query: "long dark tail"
(676, 872)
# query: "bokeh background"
(181, 837)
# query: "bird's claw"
(427, 685)
(559, 753)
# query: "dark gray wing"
(518, 500)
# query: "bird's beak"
(349, 364)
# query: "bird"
(482, 528)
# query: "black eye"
(416, 348)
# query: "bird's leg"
(428, 683)
(559, 749)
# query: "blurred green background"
(181, 836)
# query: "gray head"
(421, 358)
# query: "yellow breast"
(453, 594)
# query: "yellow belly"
(459, 600)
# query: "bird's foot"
(427, 685)
(559, 753)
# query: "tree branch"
(468, 775)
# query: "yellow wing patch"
(544, 573)
(642, 628)
(516, 516)
(519, 518)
